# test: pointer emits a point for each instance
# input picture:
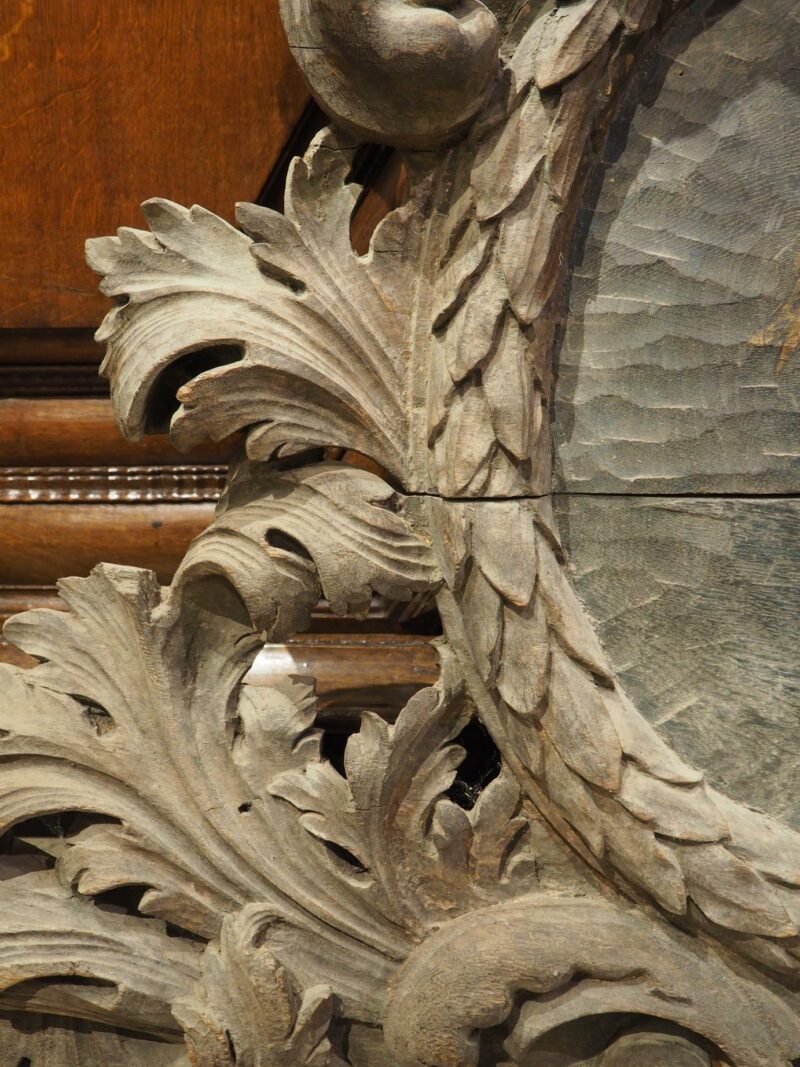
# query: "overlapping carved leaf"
(136, 713)
(391, 821)
(47, 933)
(248, 1009)
(223, 805)
(286, 331)
(283, 539)
(509, 200)
(141, 718)
(639, 810)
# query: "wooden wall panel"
(198, 101)
(113, 103)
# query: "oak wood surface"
(49, 347)
(81, 431)
(420, 892)
(113, 103)
(373, 670)
(40, 544)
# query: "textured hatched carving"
(304, 903)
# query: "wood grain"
(51, 380)
(679, 371)
(378, 671)
(114, 103)
(41, 543)
(696, 602)
(51, 432)
(49, 347)
(384, 190)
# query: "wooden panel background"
(106, 104)
(112, 103)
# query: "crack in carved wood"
(598, 899)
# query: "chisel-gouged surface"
(679, 371)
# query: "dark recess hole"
(333, 744)
(426, 624)
(97, 717)
(287, 543)
(236, 729)
(173, 930)
(339, 1036)
(247, 806)
(124, 899)
(231, 1047)
(45, 826)
(54, 827)
(84, 980)
(714, 12)
(25, 1062)
(163, 400)
(369, 161)
(382, 174)
(480, 765)
(346, 856)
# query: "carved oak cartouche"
(599, 903)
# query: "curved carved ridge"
(45, 932)
(347, 524)
(322, 343)
(358, 895)
(248, 1009)
(568, 955)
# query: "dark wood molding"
(51, 380)
(356, 664)
(43, 347)
(42, 543)
(81, 432)
(92, 485)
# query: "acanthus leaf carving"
(247, 1009)
(403, 837)
(312, 341)
(45, 932)
(310, 902)
(181, 765)
(352, 542)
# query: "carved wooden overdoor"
(598, 903)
